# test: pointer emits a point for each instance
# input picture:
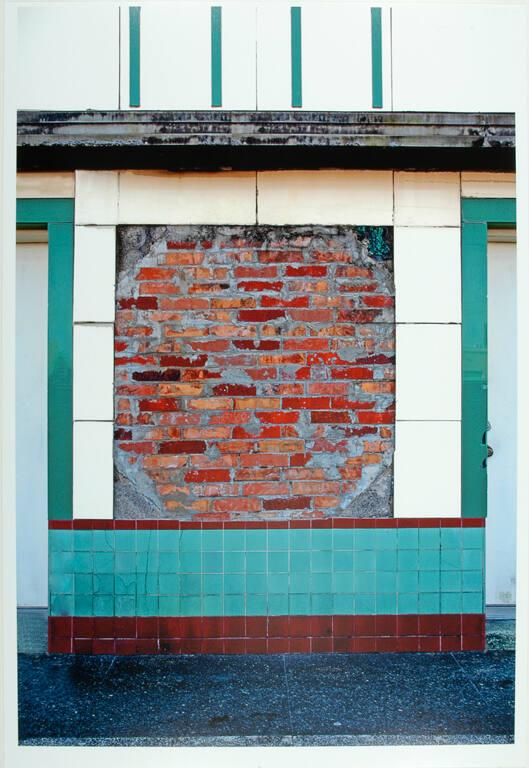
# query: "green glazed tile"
(212, 562)
(364, 560)
(473, 538)
(82, 541)
(450, 559)
(103, 605)
(256, 541)
(300, 538)
(299, 583)
(365, 538)
(472, 602)
(212, 541)
(300, 562)
(169, 583)
(343, 604)
(125, 562)
(386, 538)
(278, 562)
(61, 562)
(61, 583)
(213, 584)
(190, 562)
(343, 581)
(277, 604)
(407, 603)
(429, 602)
(146, 541)
(190, 541)
(104, 563)
(472, 559)
(429, 538)
(407, 538)
(103, 541)
(125, 605)
(153, 562)
(365, 582)
(190, 583)
(386, 603)
(299, 605)
(190, 605)
(234, 562)
(386, 559)
(234, 605)
(62, 605)
(386, 581)
(256, 605)
(169, 541)
(451, 602)
(344, 560)
(408, 559)
(256, 562)
(60, 541)
(213, 605)
(450, 581)
(147, 605)
(277, 540)
(256, 583)
(169, 605)
(149, 584)
(342, 538)
(125, 541)
(234, 583)
(429, 559)
(365, 605)
(321, 582)
(408, 581)
(278, 582)
(83, 562)
(322, 538)
(125, 584)
(472, 581)
(83, 605)
(321, 561)
(322, 604)
(429, 581)
(235, 541)
(450, 538)
(83, 584)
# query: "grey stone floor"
(321, 699)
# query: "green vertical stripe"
(134, 56)
(295, 47)
(216, 56)
(376, 56)
(60, 340)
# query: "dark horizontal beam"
(258, 140)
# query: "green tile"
(234, 562)
(386, 559)
(125, 605)
(300, 562)
(60, 541)
(343, 538)
(365, 605)
(472, 559)
(125, 541)
(153, 561)
(169, 541)
(386, 603)
(125, 584)
(407, 538)
(300, 538)
(472, 581)
(343, 582)
(451, 602)
(323, 538)
(472, 602)
(256, 605)
(407, 603)
(277, 539)
(365, 582)
(169, 583)
(104, 562)
(190, 541)
(344, 560)
(61, 583)
(450, 559)
(277, 604)
(146, 541)
(429, 602)
(386, 538)
(83, 541)
(450, 581)
(386, 581)
(147, 605)
(322, 604)
(364, 560)
(299, 605)
(213, 605)
(299, 583)
(190, 583)
(256, 541)
(212, 541)
(408, 581)
(321, 561)
(256, 583)
(278, 582)
(103, 605)
(429, 538)
(450, 538)
(83, 605)
(429, 559)
(235, 540)
(83, 584)
(365, 538)
(125, 562)
(343, 604)
(278, 562)
(429, 581)
(169, 605)
(473, 538)
(142, 558)
(212, 562)
(62, 605)
(103, 541)
(83, 562)
(234, 583)
(213, 584)
(234, 605)
(408, 559)
(149, 584)
(256, 562)
(190, 605)
(190, 562)
(321, 582)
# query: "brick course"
(254, 373)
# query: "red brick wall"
(254, 372)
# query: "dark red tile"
(472, 623)
(147, 627)
(408, 625)
(125, 626)
(343, 626)
(169, 626)
(104, 626)
(430, 644)
(60, 645)
(450, 522)
(212, 626)
(365, 626)
(386, 644)
(147, 645)
(277, 524)
(277, 645)
(83, 626)
(234, 626)
(298, 626)
(450, 643)
(473, 643)
(191, 626)
(168, 525)
(342, 644)
(83, 525)
(254, 525)
(212, 645)
(191, 644)
(473, 522)
(364, 645)
(59, 525)
(147, 525)
(299, 645)
(125, 525)
(429, 522)
(170, 645)
(450, 623)
(321, 644)
(103, 646)
(321, 626)
(278, 626)
(61, 626)
(408, 522)
(344, 522)
(256, 645)
(82, 646)
(125, 647)
(386, 626)
(256, 626)
(364, 523)
(234, 645)
(429, 624)
(325, 523)
(408, 644)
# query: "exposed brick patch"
(262, 361)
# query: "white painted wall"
(31, 423)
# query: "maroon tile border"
(427, 633)
(331, 522)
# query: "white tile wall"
(273, 56)
(42, 184)
(474, 184)
(427, 263)
(186, 198)
(96, 197)
(325, 197)
(93, 470)
(93, 360)
(427, 480)
(239, 52)
(428, 385)
(94, 274)
(68, 56)
(427, 199)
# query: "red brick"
(208, 476)
(294, 502)
(183, 446)
(309, 271)
(260, 315)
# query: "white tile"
(457, 57)
(44, 184)
(68, 56)
(475, 184)
(239, 51)
(325, 197)
(427, 263)
(93, 473)
(427, 199)
(428, 375)
(93, 372)
(273, 56)
(427, 469)
(96, 197)
(150, 197)
(94, 274)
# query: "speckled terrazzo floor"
(322, 699)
